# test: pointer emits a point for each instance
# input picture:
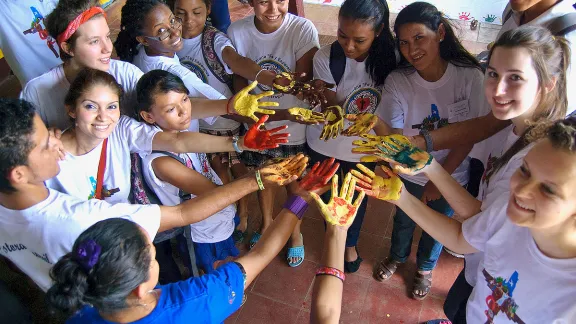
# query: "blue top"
(210, 298)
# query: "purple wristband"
(297, 205)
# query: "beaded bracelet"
(259, 180)
(329, 271)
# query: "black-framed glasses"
(175, 22)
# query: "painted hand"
(258, 138)
(370, 146)
(313, 91)
(306, 116)
(316, 180)
(363, 123)
(287, 83)
(246, 104)
(376, 186)
(334, 123)
(285, 171)
(340, 211)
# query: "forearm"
(238, 83)
(382, 128)
(327, 294)
(204, 206)
(463, 203)
(186, 142)
(444, 229)
(455, 157)
(203, 108)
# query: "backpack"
(212, 61)
(559, 26)
(337, 62)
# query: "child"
(366, 55)
(439, 83)
(281, 42)
(86, 45)
(170, 179)
(127, 283)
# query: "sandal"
(353, 266)
(422, 282)
(385, 269)
(255, 237)
(295, 252)
(238, 236)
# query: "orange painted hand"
(376, 186)
(284, 172)
(247, 105)
(258, 138)
(306, 116)
(340, 211)
(334, 123)
(363, 123)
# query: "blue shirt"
(210, 298)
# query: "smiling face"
(161, 23)
(542, 190)
(171, 111)
(355, 37)
(43, 158)
(269, 13)
(93, 47)
(97, 111)
(193, 14)
(420, 45)
(511, 84)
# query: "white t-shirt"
(47, 92)
(78, 174)
(411, 103)
(515, 280)
(35, 238)
(356, 93)
(560, 9)
(213, 229)
(24, 40)
(191, 56)
(278, 52)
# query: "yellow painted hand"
(306, 116)
(340, 211)
(334, 123)
(363, 123)
(369, 145)
(376, 186)
(246, 104)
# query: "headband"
(77, 22)
(87, 254)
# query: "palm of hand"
(246, 104)
(410, 159)
(285, 171)
(363, 123)
(259, 138)
(334, 115)
(340, 212)
(334, 122)
(386, 189)
(306, 115)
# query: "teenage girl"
(438, 83)
(366, 55)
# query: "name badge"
(458, 109)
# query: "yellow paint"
(1, 55)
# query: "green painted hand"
(334, 123)
(376, 186)
(363, 123)
(370, 144)
(246, 104)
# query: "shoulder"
(120, 67)
(85, 315)
(323, 53)
(299, 26)
(244, 25)
(46, 80)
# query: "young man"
(39, 225)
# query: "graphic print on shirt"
(195, 66)
(501, 300)
(489, 170)
(37, 27)
(105, 192)
(433, 121)
(272, 63)
(362, 98)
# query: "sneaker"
(454, 254)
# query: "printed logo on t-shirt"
(272, 63)
(501, 299)
(195, 67)
(105, 192)
(37, 27)
(362, 99)
(8, 248)
(432, 121)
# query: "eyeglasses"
(175, 23)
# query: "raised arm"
(246, 68)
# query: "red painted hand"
(258, 138)
(320, 174)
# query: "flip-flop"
(255, 237)
(295, 252)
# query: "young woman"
(83, 37)
(365, 54)
(538, 214)
(119, 257)
(438, 83)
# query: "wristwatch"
(235, 139)
(428, 139)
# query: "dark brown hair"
(85, 80)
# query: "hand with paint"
(313, 91)
(405, 159)
(375, 186)
(283, 172)
(306, 116)
(340, 211)
(334, 123)
(258, 138)
(247, 105)
(370, 146)
(363, 123)
(316, 180)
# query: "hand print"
(464, 16)
(490, 18)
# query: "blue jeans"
(428, 248)
(220, 15)
(345, 166)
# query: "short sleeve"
(138, 136)
(322, 65)
(391, 107)
(477, 101)
(307, 39)
(196, 87)
(221, 41)
(478, 229)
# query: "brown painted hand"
(284, 172)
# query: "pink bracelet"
(331, 272)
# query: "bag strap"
(212, 60)
(563, 25)
(101, 170)
(337, 62)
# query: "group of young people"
(104, 160)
